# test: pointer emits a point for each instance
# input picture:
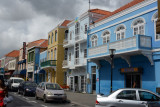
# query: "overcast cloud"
(29, 20)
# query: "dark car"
(27, 88)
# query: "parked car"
(50, 91)
(27, 88)
(13, 83)
(129, 98)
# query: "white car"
(13, 83)
(50, 91)
(129, 97)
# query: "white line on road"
(32, 101)
(44, 105)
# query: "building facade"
(55, 55)
(33, 52)
(75, 44)
(131, 31)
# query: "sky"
(29, 20)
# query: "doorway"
(76, 83)
(133, 81)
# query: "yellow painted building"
(55, 54)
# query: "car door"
(149, 98)
(127, 98)
(38, 90)
(42, 89)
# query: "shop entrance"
(76, 83)
(133, 81)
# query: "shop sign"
(30, 68)
(131, 70)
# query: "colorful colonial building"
(131, 31)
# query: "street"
(74, 100)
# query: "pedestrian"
(134, 84)
(27, 79)
(3, 93)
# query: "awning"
(21, 72)
(42, 71)
(21, 62)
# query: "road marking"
(44, 105)
(32, 101)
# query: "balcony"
(65, 64)
(80, 62)
(49, 63)
(135, 43)
(80, 39)
(67, 43)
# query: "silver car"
(50, 91)
(129, 97)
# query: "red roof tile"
(14, 53)
(99, 11)
(65, 23)
(132, 3)
(38, 43)
(44, 44)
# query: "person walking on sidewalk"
(3, 92)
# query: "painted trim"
(152, 9)
(127, 11)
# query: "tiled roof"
(99, 11)
(38, 43)
(65, 23)
(132, 3)
(14, 53)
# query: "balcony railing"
(67, 43)
(80, 61)
(49, 63)
(80, 38)
(136, 42)
(65, 63)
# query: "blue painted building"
(131, 31)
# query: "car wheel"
(24, 93)
(44, 99)
(36, 96)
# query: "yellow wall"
(60, 53)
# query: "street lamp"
(111, 52)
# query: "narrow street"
(30, 101)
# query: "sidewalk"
(84, 100)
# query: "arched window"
(55, 35)
(55, 54)
(106, 37)
(49, 40)
(154, 18)
(52, 38)
(120, 32)
(51, 54)
(94, 40)
(70, 35)
(138, 26)
(77, 28)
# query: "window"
(65, 53)
(51, 54)
(48, 55)
(138, 26)
(127, 95)
(85, 53)
(77, 28)
(31, 56)
(85, 30)
(94, 40)
(69, 56)
(55, 54)
(120, 32)
(71, 35)
(52, 38)
(77, 51)
(154, 18)
(147, 96)
(106, 37)
(48, 39)
(66, 35)
(55, 35)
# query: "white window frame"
(105, 37)
(70, 35)
(138, 26)
(94, 41)
(77, 28)
(154, 19)
(120, 32)
(55, 54)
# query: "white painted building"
(75, 44)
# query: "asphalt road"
(30, 101)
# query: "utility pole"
(158, 21)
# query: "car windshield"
(18, 80)
(53, 87)
(30, 84)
